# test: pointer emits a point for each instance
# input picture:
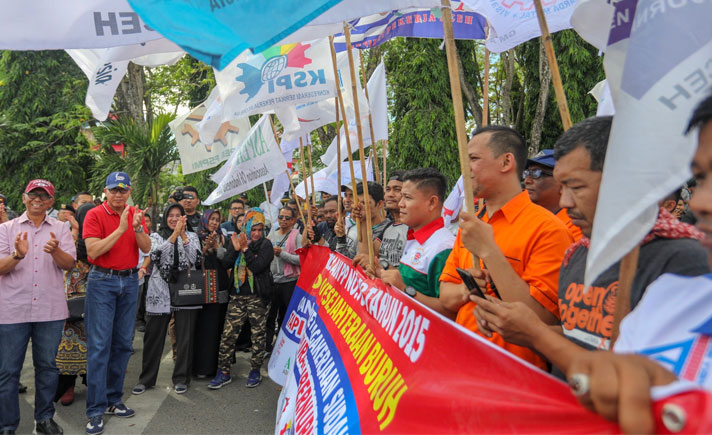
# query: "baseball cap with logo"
(40, 184)
(118, 179)
(544, 158)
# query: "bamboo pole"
(457, 103)
(385, 147)
(346, 132)
(554, 66)
(626, 274)
(338, 158)
(362, 154)
(306, 182)
(485, 90)
(286, 171)
(370, 121)
(311, 173)
(267, 198)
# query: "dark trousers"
(154, 340)
(278, 309)
(141, 312)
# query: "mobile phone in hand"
(470, 282)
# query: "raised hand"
(124, 220)
(21, 244)
(137, 219)
(52, 244)
(340, 227)
(243, 240)
(235, 242)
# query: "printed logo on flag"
(266, 67)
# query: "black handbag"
(76, 308)
(188, 289)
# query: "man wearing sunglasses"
(113, 233)
(544, 190)
(35, 250)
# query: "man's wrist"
(16, 255)
(138, 229)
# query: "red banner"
(373, 360)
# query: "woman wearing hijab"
(172, 239)
(72, 353)
(250, 255)
(211, 318)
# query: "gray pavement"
(232, 409)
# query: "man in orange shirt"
(544, 190)
(520, 244)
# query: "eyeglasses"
(34, 195)
(235, 208)
(188, 196)
(536, 173)
(121, 190)
(284, 218)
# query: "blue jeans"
(109, 315)
(13, 345)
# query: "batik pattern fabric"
(72, 351)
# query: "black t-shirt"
(587, 319)
(328, 233)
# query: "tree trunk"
(130, 94)
(470, 94)
(544, 85)
(509, 77)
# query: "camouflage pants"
(239, 308)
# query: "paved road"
(232, 409)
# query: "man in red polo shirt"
(113, 233)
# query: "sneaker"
(181, 388)
(120, 410)
(95, 425)
(254, 378)
(221, 379)
(138, 389)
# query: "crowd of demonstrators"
(525, 247)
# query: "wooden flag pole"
(311, 174)
(626, 274)
(370, 120)
(485, 90)
(306, 182)
(362, 154)
(385, 148)
(338, 158)
(456, 91)
(554, 66)
(286, 171)
(346, 132)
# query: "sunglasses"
(34, 195)
(284, 218)
(536, 173)
(121, 190)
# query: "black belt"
(125, 272)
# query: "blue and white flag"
(658, 67)
(217, 31)
(376, 29)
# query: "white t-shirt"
(672, 325)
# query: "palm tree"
(148, 149)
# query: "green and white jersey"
(424, 257)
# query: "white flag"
(378, 101)
(657, 66)
(255, 161)
(196, 155)
(280, 76)
(514, 22)
(53, 25)
(106, 67)
(454, 201)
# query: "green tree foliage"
(41, 114)
(148, 151)
(423, 122)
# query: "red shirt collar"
(424, 233)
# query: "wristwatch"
(410, 291)
(16, 255)
(139, 230)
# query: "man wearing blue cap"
(544, 190)
(113, 233)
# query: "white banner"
(54, 24)
(256, 161)
(514, 22)
(106, 67)
(196, 155)
(657, 65)
(280, 76)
